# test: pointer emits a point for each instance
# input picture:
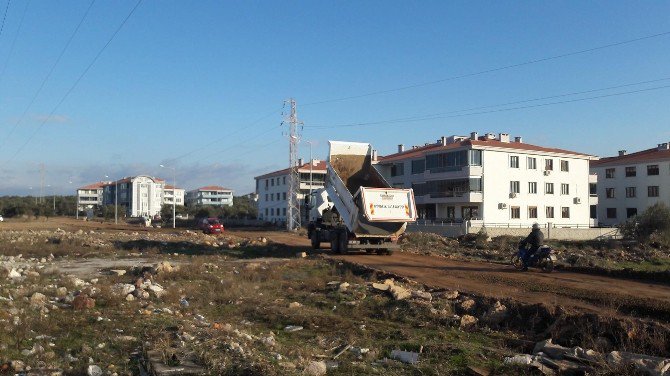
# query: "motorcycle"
(543, 259)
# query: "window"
(531, 163)
(532, 212)
(418, 167)
(272, 182)
(283, 195)
(272, 211)
(630, 192)
(593, 189)
(514, 187)
(549, 164)
(565, 166)
(266, 210)
(611, 213)
(272, 196)
(609, 192)
(549, 211)
(532, 187)
(631, 171)
(514, 161)
(609, 173)
(593, 212)
(515, 212)
(266, 197)
(278, 196)
(284, 212)
(549, 188)
(475, 158)
(652, 169)
(631, 212)
(652, 191)
(284, 180)
(467, 212)
(398, 169)
(565, 189)
(565, 212)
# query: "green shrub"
(653, 225)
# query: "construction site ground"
(571, 290)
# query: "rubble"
(316, 368)
(405, 356)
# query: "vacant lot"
(91, 298)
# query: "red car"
(211, 226)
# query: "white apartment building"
(139, 196)
(272, 189)
(90, 195)
(210, 195)
(629, 183)
(170, 193)
(493, 179)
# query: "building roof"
(97, 185)
(167, 186)
(213, 188)
(649, 155)
(481, 142)
(318, 167)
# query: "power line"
(16, 36)
(53, 67)
(239, 130)
(433, 117)
(78, 79)
(2, 27)
(452, 78)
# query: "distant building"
(493, 179)
(90, 196)
(630, 183)
(137, 196)
(171, 193)
(210, 195)
(272, 189)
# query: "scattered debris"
(405, 356)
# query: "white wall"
(620, 182)
(496, 188)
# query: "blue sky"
(200, 85)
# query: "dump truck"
(357, 209)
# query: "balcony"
(453, 172)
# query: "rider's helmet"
(536, 226)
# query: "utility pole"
(41, 183)
(293, 209)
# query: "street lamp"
(174, 195)
(116, 200)
(76, 204)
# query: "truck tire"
(343, 242)
(316, 244)
(334, 242)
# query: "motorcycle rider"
(534, 239)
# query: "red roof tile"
(320, 166)
(94, 185)
(411, 153)
(649, 155)
(213, 188)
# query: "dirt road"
(571, 290)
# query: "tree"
(652, 225)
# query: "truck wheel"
(334, 242)
(343, 241)
(315, 240)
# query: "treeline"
(50, 206)
(47, 206)
(243, 208)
